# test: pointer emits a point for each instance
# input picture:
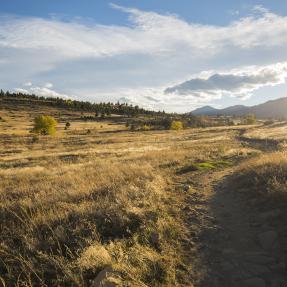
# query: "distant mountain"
(237, 110)
(206, 110)
(271, 109)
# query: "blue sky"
(161, 54)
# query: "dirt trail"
(234, 243)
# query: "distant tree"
(45, 125)
(145, 127)
(176, 125)
(132, 127)
(250, 119)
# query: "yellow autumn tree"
(45, 125)
(176, 125)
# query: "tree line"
(100, 109)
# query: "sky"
(162, 54)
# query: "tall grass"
(61, 229)
(265, 175)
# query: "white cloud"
(141, 60)
(49, 85)
(44, 91)
(151, 32)
(237, 83)
(20, 90)
(27, 84)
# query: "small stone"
(267, 239)
(103, 280)
(255, 282)
(186, 187)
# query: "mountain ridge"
(270, 109)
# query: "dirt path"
(232, 242)
(267, 145)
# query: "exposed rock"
(267, 239)
(105, 279)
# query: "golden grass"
(75, 203)
(265, 175)
(276, 131)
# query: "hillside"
(272, 109)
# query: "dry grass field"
(98, 203)
(276, 131)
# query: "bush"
(176, 125)
(35, 139)
(250, 119)
(132, 127)
(45, 125)
(67, 125)
(146, 128)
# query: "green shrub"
(45, 125)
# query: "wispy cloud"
(154, 52)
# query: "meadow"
(99, 205)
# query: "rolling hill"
(271, 109)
